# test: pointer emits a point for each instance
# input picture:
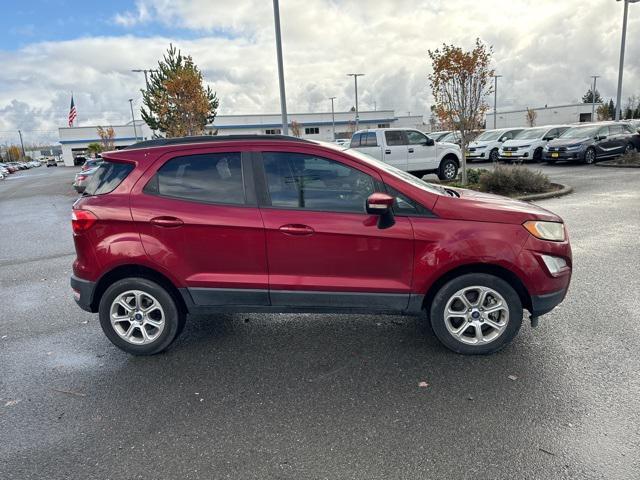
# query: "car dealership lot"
(288, 396)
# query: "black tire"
(537, 155)
(174, 318)
(448, 291)
(590, 156)
(629, 148)
(494, 156)
(448, 169)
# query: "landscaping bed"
(512, 181)
(628, 160)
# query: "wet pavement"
(309, 396)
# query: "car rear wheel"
(448, 169)
(537, 155)
(589, 156)
(494, 155)
(629, 148)
(139, 316)
(476, 314)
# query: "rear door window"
(107, 177)
(206, 178)
(395, 138)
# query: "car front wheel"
(476, 314)
(589, 156)
(448, 169)
(139, 316)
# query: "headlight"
(552, 231)
(554, 264)
(524, 146)
(481, 147)
(546, 148)
(574, 147)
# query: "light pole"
(333, 118)
(593, 97)
(495, 99)
(145, 71)
(355, 78)
(135, 130)
(283, 98)
(622, 45)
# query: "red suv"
(279, 224)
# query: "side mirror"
(601, 137)
(547, 139)
(430, 142)
(381, 204)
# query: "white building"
(553, 115)
(75, 140)
(316, 126)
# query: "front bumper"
(569, 155)
(541, 304)
(83, 291)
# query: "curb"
(564, 190)
(614, 165)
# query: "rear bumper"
(541, 304)
(83, 291)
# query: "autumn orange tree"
(295, 129)
(176, 100)
(107, 136)
(460, 82)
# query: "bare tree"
(107, 135)
(295, 129)
(460, 82)
(531, 117)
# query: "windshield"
(580, 132)
(402, 175)
(531, 134)
(489, 135)
(450, 137)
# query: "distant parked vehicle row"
(529, 143)
(8, 168)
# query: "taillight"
(82, 220)
(81, 177)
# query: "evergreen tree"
(588, 97)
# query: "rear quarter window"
(107, 177)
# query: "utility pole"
(495, 99)
(355, 78)
(283, 97)
(333, 118)
(622, 46)
(593, 97)
(133, 119)
(21, 144)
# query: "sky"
(545, 50)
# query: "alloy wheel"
(137, 317)
(449, 171)
(476, 315)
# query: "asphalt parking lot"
(306, 396)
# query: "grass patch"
(511, 181)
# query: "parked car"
(90, 163)
(487, 145)
(409, 150)
(51, 162)
(454, 137)
(590, 143)
(343, 142)
(280, 224)
(437, 136)
(529, 143)
(83, 178)
(4, 169)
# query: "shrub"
(508, 180)
(474, 174)
(631, 158)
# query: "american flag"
(72, 112)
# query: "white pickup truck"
(409, 150)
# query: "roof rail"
(160, 142)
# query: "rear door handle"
(166, 222)
(296, 229)
(388, 152)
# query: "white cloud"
(546, 51)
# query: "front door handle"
(388, 151)
(411, 150)
(166, 222)
(296, 229)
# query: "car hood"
(448, 145)
(486, 207)
(481, 143)
(563, 142)
(520, 143)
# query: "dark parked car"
(90, 164)
(51, 162)
(280, 224)
(83, 178)
(590, 143)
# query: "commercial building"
(315, 126)
(75, 140)
(547, 115)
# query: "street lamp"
(135, 131)
(593, 97)
(495, 99)
(333, 118)
(145, 71)
(283, 99)
(624, 35)
(355, 78)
